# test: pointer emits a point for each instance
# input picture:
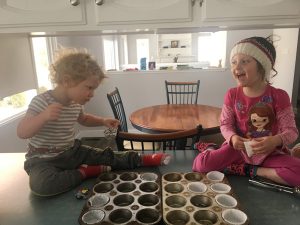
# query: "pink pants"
(286, 166)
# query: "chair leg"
(181, 144)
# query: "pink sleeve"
(286, 126)
(285, 118)
(227, 123)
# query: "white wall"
(92, 43)
(286, 49)
(132, 51)
(9, 139)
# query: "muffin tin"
(124, 198)
(192, 198)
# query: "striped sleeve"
(37, 105)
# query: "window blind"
(17, 73)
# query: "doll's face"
(259, 121)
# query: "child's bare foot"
(296, 151)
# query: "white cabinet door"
(15, 13)
(143, 11)
(241, 11)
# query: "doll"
(261, 119)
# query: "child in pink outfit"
(257, 112)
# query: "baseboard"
(95, 133)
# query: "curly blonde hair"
(78, 64)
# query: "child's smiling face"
(245, 71)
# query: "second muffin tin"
(192, 198)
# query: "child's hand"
(265, 145)
(52, 112)
(296, 151)
(111, 123)
(238, 142)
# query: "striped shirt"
(55, 136)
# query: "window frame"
(51, 45)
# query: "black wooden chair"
(167, 141)
(117, 107)
(182, 92)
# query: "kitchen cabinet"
(143, 11)
(142, 15)
(254, 12)
(91, 15)
(40, 13)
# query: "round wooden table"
(172, 117)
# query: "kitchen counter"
(19, 206)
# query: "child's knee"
(41, 188)
(47, 188)
(202, 164)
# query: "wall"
(296, 85)
(132, 51)
(92, 43)
(8, 137)
(286, 58)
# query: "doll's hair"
(78, 64)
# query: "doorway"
(296, 85)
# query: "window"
(142, 49)
(110, 46)
(15, 104)
(198, 50)
(212, 48)
(40, 51)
